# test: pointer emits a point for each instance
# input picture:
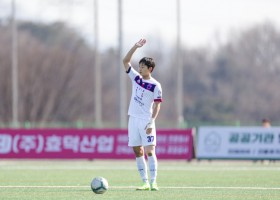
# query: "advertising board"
(88, 143)
(238, 143)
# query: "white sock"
(142, 168)
(153, 167)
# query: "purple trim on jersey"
(157, 100)
(128, 70)
(147, 86)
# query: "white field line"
(163, 168)
(132, 187)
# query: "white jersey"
(144, 94)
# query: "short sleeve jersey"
(144, 94)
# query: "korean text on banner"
(88, 143)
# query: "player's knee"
(150, 150)
(149, 153)
(138, 152)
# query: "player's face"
(144, 70)
(266, 124)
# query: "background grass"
(56, 179)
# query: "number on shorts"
(150, 138)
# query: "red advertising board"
(88, 144)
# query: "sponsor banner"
(88, 143)
(238, 143)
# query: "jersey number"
(150, 138)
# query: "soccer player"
(143, 110)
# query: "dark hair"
(149, 62)
(265, 120)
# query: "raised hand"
(140, 43)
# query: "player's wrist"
(150, 124)
(137, 45)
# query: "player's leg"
(153, 165)
(142, 167)
(135, 142)
(141, 163)
(149, 143)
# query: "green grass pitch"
(70, 180)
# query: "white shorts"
(137, 135)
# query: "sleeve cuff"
(128, 70)
(157, 100)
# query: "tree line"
(237, 81)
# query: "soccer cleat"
(154, 187)
(145, 186)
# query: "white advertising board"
(238, 143)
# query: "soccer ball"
(99, 185)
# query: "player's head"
(266, 122)
(149, 62)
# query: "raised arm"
(128, 56)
